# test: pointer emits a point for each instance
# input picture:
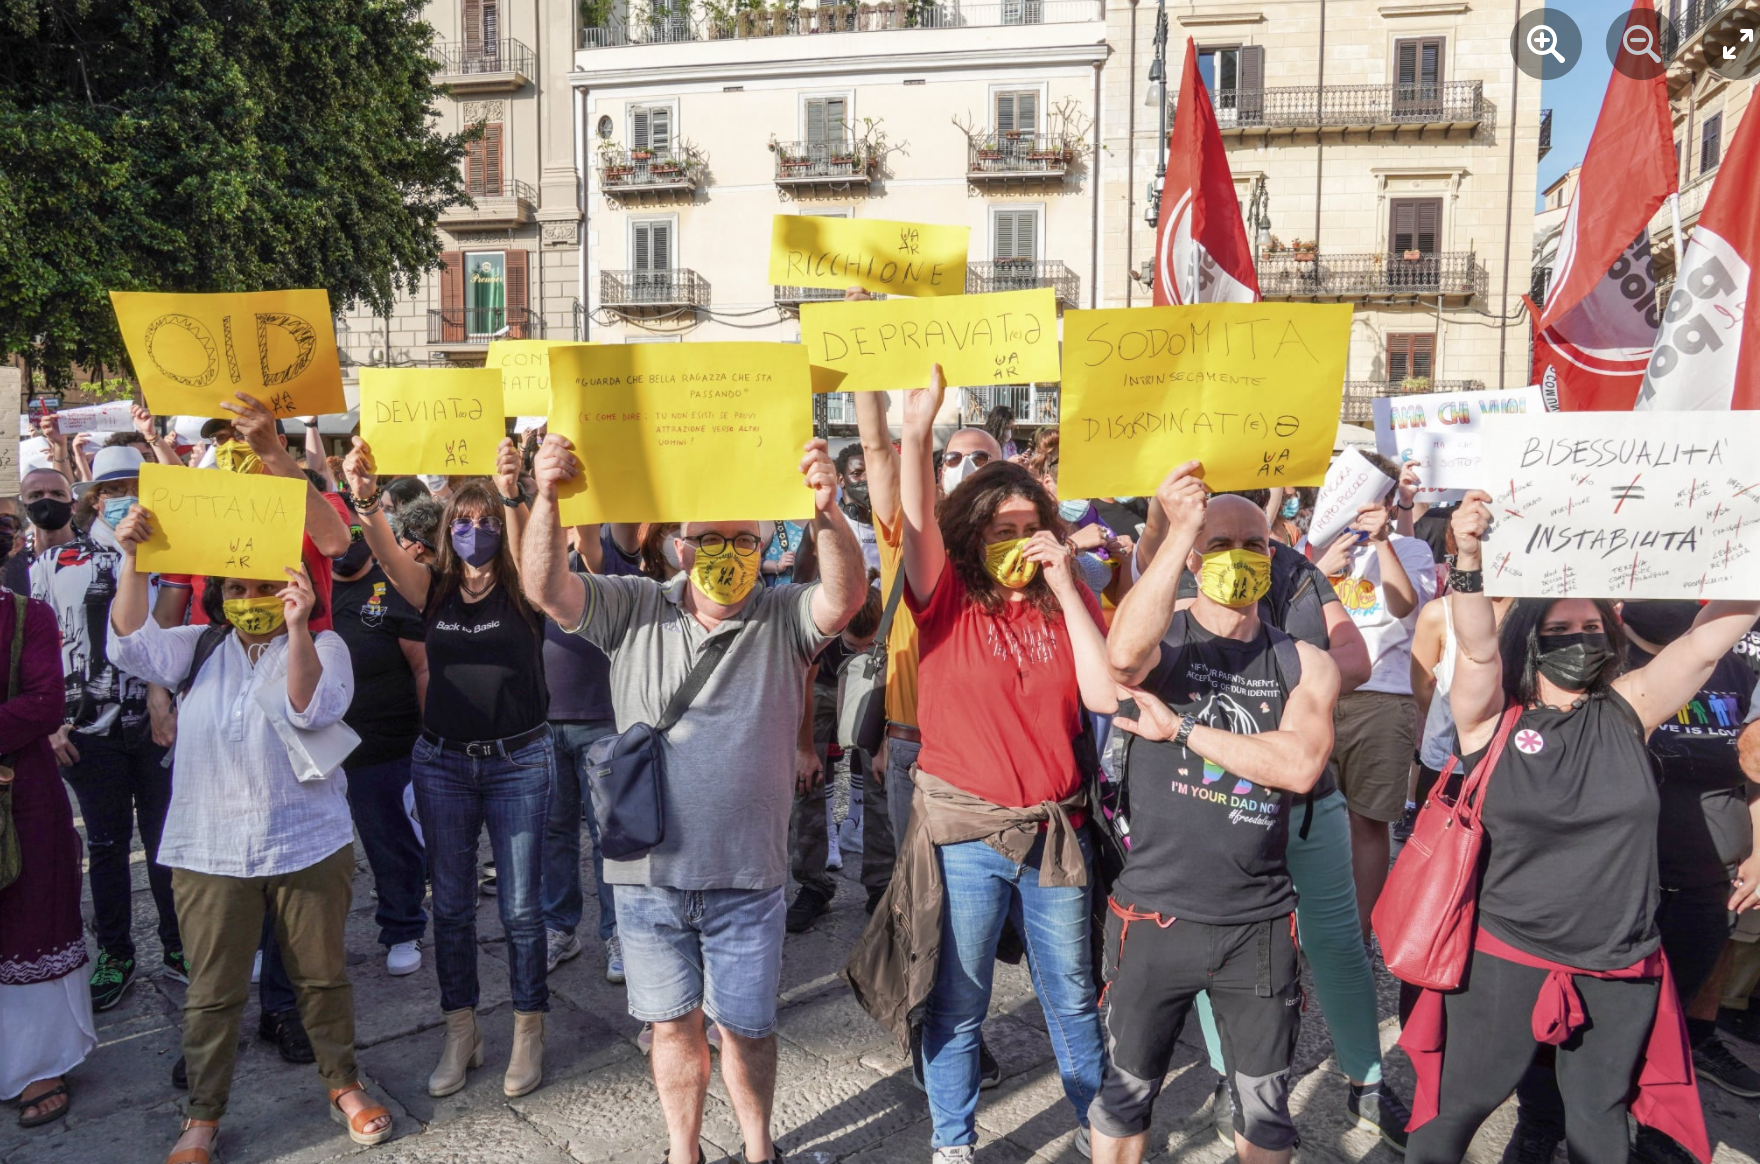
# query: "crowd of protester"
(1161, 749)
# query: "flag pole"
(1674, 212)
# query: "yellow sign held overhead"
(433, 420)
(683, 432)
(887, 258)
(221, 525)
(1009, 337)
(191, 352)
(1250, 389)
(525, 374)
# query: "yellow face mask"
(255, 616)
(726, 578)
(237, 457)
(1005, 562)
(1235, 577)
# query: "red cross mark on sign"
(1529, 742)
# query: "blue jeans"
(562, 832)
(901, 755)
(983, 889)
(456, 795)
(720, 949)
(375, 800)
(1326, 921)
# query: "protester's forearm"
(1093, 675)
(924, 554)
(544, 565)
(516, 528)
(165, 452)
(303, 668)
(843, 574)
(590, 545)
(1402, 521)
(1396, 584)
(1154, 532)
(878, 455)
(803, 737)
(128, 610)
(327, 528)
(409, 576)
(315, 453)
(1134, 643)
(1281, 759)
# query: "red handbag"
(1428, 910)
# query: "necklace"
(470, 593)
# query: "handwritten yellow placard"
(1250, 389)
(1006, 338)
(432, 420)
(525, 374)
(218, 524)
(684, 432)
(191, 352)
(889, 258)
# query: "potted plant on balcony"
(1411, 254)
(1413, 384)
(1305, 251)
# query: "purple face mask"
(477, 547)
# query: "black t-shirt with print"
(1206, 845)
(485, 668)
(374, 621)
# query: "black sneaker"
(176, 967)
(809, 906)
(1743, 1024)
(180, 1074)
(874, 896)
(1222, 1112)
(1402, 828)
(989, 1070)
(111, 978)
(1378, 1109)
(1654, 1147)
(283, 1028)
(1529, 1145)
(1714, 1061)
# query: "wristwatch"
(1185, 730)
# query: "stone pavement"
(844, 1091)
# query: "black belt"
(488, 747)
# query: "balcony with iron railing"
(679, 23)
(1025, 275)
(1388, 275)
(823, 165)
(494, 66)
(1444, 106)
(1030, 403)
(1360, 395)
(1012, 157)
(512, 204)
(1545, 132)
(1538, 284)
(789, 299)
(639, 176)
(474, 326)
(653, 292)
(1687, 21)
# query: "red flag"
(1708, 350)
(1594, 338)
(1201, 251)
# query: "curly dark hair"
(1518, 645)
(848, 453)
(967, 513)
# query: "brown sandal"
(208, 1155)
(358, 1122)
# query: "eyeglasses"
(715, 545)
(462, 526)
(950, 459)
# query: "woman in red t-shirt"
(1010, 651)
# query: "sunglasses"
(952, 459)
(714, 545)
(463, 525)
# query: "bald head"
(1233, 523)
(974, 440)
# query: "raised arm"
(1134, 646)
(409, 576)
(508, 462)
(1398, 587)
(543, 572)
(843, 575)
(924, 554)
(1093, 677)
(128, 610)
(1426, 653)
(1405, 508)
(164, 450)
(1475, 694)
(320, 464)
(877, 451)
(303, 668)
(1675, 675)
(256, 424)
(1349, 651)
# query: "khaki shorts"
(1374, 736)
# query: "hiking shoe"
(486, 884)
(1529, 1145)
(560, 946)
(1714, 1061)
(959, 1155)
(989, 1070)
(111, 978)
(283, 1028)
(1378, 1109)
(1654, 1147)
(1222, 1112)
(403, 958)
(614, 960)
(176, 967)
(809, 906)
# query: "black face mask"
(1574, 661)
(49, 513)
(856, 504)
(1660, 621)
(353, 560)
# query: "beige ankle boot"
(464, 1048)
(525, 1067)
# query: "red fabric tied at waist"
(1667, 1096)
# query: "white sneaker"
(614, 960)
(257, 969)
(561, 947)
(403, 958)
(959, 1155)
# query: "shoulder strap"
(212, 636)
(1472, 797)
(19, 606)
(699, 675)
(879, 647)
(1287, 657)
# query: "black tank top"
(1206, 845)
(1570, 837)
(485, 668)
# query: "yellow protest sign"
(223, 525)
(191, 352)
(1250, 389)
(888, 258)
(1009, 337)
(683, 432)
(432, 420)
(525, 374)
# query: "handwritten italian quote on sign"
(1009, 337)
(887, 258)
(1250, 389)
(1624, 505)
(192, 352)
(683, 432)
(224, 525)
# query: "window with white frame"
(651, 129)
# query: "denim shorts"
(720, 949)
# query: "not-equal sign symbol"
(1625, 493)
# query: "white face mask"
(669, 551)
(954, 474)
(433, 481)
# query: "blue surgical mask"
(116, 508)
(1072, 511)
(1291, 507)
(1126, 500)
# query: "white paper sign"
(1442, 430)
(1351, 483)
(1624, 505)
(113, 417)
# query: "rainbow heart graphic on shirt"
(1212, 773)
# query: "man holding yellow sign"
(890, 258)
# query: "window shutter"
(660, 129)
(1005, 113)
(1026, 112)
(1403, 226)
(1004, 234)
(1430, 62)
(638, 129)
(473, 168)
(473, 27)
(452, 297)
(1406, 72)
(815, 122)
(491, 24)
(1429, 225)
(1016, 234)
(1252, 67)
(661, 233)
(1710, 143)
(836, 116)
(518, 295)
(492, 159)
(641, 256)
(1409, 354)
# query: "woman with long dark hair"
(485, 755)
(1567, 946)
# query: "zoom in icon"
(1546, 44)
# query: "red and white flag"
(1594, 338)
(1201, 252)
(1708, 351)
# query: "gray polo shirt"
(730, 760)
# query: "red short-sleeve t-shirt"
(317, 567)
(997, 700)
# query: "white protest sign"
(1441, 431)
(114, 417)
(1351, 483)
(1624, 505)
(33, 453)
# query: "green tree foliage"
(210, 145)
